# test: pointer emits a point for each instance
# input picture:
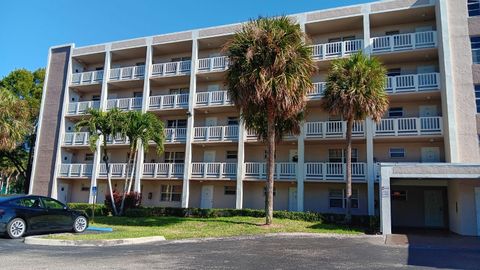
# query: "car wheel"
(80, 224)
(16, 228)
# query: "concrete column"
(240, 165)
(367, 48)
(301, 169)
(139, 170)
(370, 166)
(97, 159)
(190, 121)
(385, 206)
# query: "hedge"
(100, 209)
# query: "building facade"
(417, 167)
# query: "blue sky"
(29, 27)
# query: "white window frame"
(169, 193)
(355, 196)
(392, 150)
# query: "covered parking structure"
(430, 195)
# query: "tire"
(80, 224)
(16, 228)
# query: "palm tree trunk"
(7, 186)
(270, 165)
(348, 214)
(133, 166)
(125, 186)
(26, 185)
(109, 178)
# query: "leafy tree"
(140, 128)
(102, 125)
(269, 76)
(355, 90)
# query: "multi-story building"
(417, 167)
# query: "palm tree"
(355, 90)
(270, 67)
(14, 120)
(140, 129)
(103, 125)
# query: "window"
(473, 8)
(171, 193)
(399, 195)
(397, 152)
(88, 157)
(137, 94)
(338, 39)
(475, 41)
(27, 202)
(177, 123)
(394, 112)
(391, 33)
(96, 97)
(174, 157)
(140, 64)
(177, 91)
(230, 190)
(339, 155)
(477, 97)
(99, 68)
(394, 72)
(185, 58)
(232, 155)
(331, 40)
(232, 121)
(337, 198)
(52, 204)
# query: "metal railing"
(401, 42)
(164, 102)
(80, 108)
(75, 170)
(125, 104)
(117, 170)
(217, 63)
(258, 170)
(336, 49)
(213, 98)
(171, 68)
(127, 73)
(326, 171)
(215, 170)
(413, 82)
(333, 129)
(76, 138)
(163, 170)
(175, 134)
(409, 126)
(89, 77)
(215, 133)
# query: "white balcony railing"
(163, 170)
(79, 108)
(175, 135)
(412, 83)
(89, 77)
(409, 126)
(332, 129)
(75, 170)
(171, 68)
(401, 42)
(118, 139)
(76, 138)
(326, 171)
(117, 170)
(258, 170)
(164, 102)
(127, 73)
(318, 90)
(252, 136)
(213, 98)
(216, 133)
(125, 104)
(216, 170)
(218, 63)
(337, 49)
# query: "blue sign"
(94, 190)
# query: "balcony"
(214, 170)
(409, 126)
(163, 170)
(127, 73)
(318, 90)
(412, 83)
(125, 104)
(215, 134)
(336, 49)
(89, 77)
(403, 42)
(332, 129)
(173, 135)
(213, 98)
(118, 139)
(76, 139)
(81, 108)
(117, 170)
(211, 64)
(171, 68)
(76, 170)
(165, 102)
(283, 170)
(327, 171)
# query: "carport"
(430, 196)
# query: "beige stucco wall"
(220, 200)
(462, 211)
(316, 198)
(253, 195)
(413, 150)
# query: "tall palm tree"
(270, 67)
(103, 125)
(14, 120)
(140, 129)
(355, 90)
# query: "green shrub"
(100, 209)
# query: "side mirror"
(65, 208)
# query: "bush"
(132, 200)
(100, 209)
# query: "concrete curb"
(41, 240)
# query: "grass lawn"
(182, 228)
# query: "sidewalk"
(434, 241)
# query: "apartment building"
(418, 167)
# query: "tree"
(102, 125)
(355, 90)
(269, 76)
(14, 124)
(140, 129)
